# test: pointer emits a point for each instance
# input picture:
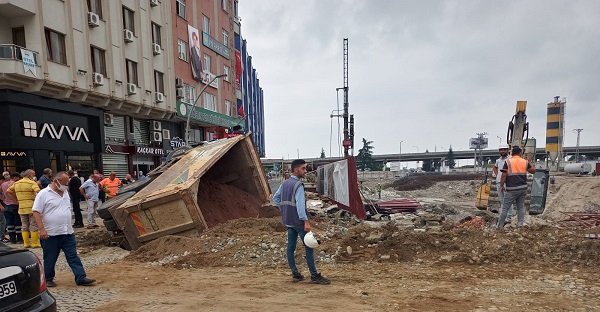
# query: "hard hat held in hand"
(310, 240)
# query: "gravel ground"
(73, 298)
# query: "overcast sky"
(429, 73)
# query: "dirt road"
(357, 287)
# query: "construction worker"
(514, 185)
(379, 190)
(26, 189)
(292, 203)
(503, 150)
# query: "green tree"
(365, 156)
(451, 161)
(322, 153)
(427, 164)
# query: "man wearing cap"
(503, 149)
(514, 185)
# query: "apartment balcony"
(15, 74)
(17, 8)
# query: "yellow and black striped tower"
(555, 130)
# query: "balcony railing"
(13, 52)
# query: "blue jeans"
(293, 234)
(52, 247)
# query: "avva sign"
(30, 129)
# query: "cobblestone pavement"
(77, 298)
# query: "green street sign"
(207, 116)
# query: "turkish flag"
(238, 62)
(241, 112)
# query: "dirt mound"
(94, 238)
(535, 245)
(221, 202)
(419, 182)
(571, 194)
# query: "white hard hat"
(310, 240)
(503, 146)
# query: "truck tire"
(110, 225)
(115, 201)
(135, 186)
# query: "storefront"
(40, 132)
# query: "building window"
(210, 102)
(207, 63)
(55, 46)
(181, 8)
(206, 24)
(225, 38)
(18, 35)
(235, 8)
(224, 4)
(98, 61)
(156, 34)
(132, 76)
(188, 94)
(159, 84)
(128, 21)
(227, 108)
(226, 72)
(182, 49)
(95, 6)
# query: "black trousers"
(77, 211)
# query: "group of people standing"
(37, 212)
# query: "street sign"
(478, 143)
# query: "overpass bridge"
(492, 154)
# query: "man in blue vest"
(290, 200)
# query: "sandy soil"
(359, 287)
(240, 265)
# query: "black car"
(22, 282)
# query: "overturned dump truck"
(195, 189)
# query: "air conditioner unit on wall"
(156, 49)
(155, 125)
(131, 88)
(154, 3)
(108, 119)
(166, 134)
(156, 137)
(128, 34)
(93, 19)
(98, 79)
(179, 93)
(160, 97)
(178, 82)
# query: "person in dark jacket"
(74, 185)
(292, 203)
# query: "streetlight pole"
(400, 159)
(187, 124)
(500, 139)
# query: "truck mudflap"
(172, 204)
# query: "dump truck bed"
(211, 184)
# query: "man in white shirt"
(503, 150)
(52, 212)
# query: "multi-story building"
(84, 84)
(250, 103)
(204, 43)
(108, 84)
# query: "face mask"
(62, 188)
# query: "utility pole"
(347, 142)
(577, 148)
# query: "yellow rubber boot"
(35, 240)
(26, 242)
